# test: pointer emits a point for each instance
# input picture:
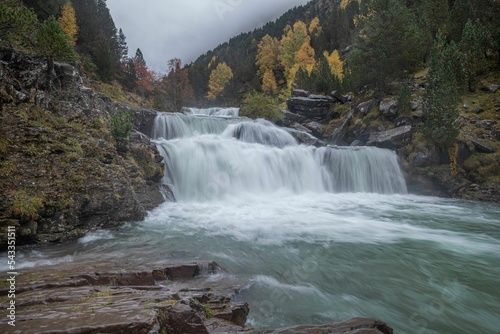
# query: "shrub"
(256, 105)
(122, 124)
(26, 206)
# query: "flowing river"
(310, 235)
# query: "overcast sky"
(164, 29)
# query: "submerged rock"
(352, 326)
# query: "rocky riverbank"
(470, 171)
(62, 172)
(138, 298)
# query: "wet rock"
(305, 138)
(391, 139)
(389, 108)
(480, 146)
(291, 118)
(316, 128)
(111, 298)
(338, 135)
(183, 319)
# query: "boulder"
(311, 106)
(337, 137)
(305, 138)
(300, 93)
(291, 118)
(389, 108)
(480, 146)
(366, 107)
(391, 139)
(491, 88)
(316, 128)
(339, 97)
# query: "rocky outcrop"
(62, 173)
(310, 106)
(391, 139)
(169, 298)
(389, 109)
(107, 297)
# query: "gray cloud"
(164, 29)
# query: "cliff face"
(62, 173)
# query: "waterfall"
(209, 158)
(175, 125)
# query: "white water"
(312, 235)
(258, 158)
(221, 112)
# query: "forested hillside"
(348, 45)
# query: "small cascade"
(261, 132)
(360, 169)
(219, 112)
(176, 125)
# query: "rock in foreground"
(128, 298)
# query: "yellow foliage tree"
(304, 58)
(336, 64)
(219, 78)
(269, 82)
(344, 3)
(267, 54)
(266, 61)
(67, 20)
(315, 27)
(290, 44)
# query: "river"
(310, 235)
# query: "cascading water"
(258, 157)
(221, 112)
(310, 235)
(175, 125)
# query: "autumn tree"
(294, 40)
(144, 76)
(335, 63)
(67, 20)
(267, 61)
(269, 84)
(219, 78)
(176, 87)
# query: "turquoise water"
(421, 264)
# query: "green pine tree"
(17, 23)
(472, 47)
(441, 117)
